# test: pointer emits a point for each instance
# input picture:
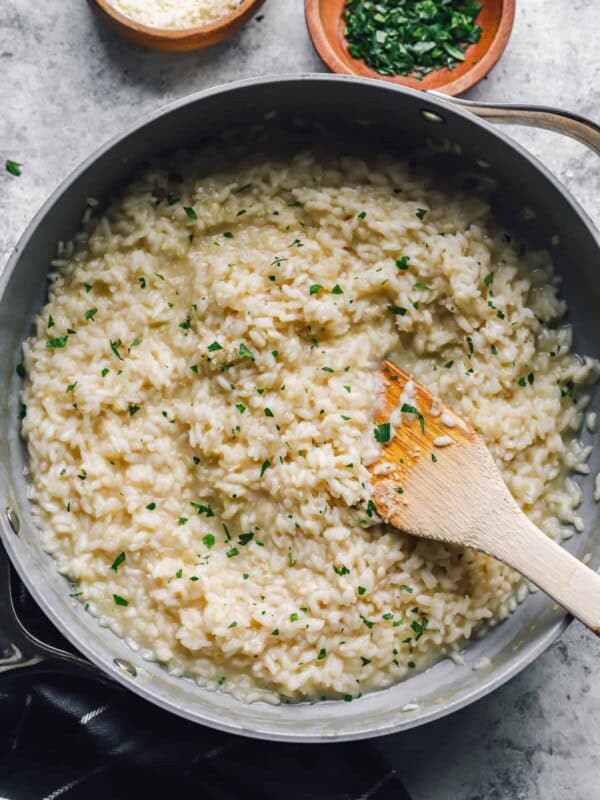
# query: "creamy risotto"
(199, 415)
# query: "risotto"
(199, 409)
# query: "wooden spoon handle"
(574, 586)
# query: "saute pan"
(541, 211)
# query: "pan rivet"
(432, 116)
(126, 666)
(13, 519)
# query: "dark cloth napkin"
(71, 736)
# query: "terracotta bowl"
(325, 22)
(180, 39)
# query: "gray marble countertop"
(67, 85)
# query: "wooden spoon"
(443, 484)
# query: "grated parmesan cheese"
(175, 14)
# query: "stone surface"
(67, 85)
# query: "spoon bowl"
(325, 20)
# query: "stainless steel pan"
(365, 110)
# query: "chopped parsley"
(244, 538)
(268, 412)
(362, 215)
(341, 570)
(120, 601)
(117, 562)
(361, 589)
(367, 622)
(208, 540)
(244, 352)
(419, 285)
(202, 509)
(402, 263)
(421, 213)
(264, 467)
(133, 409)
(448, 364)
(316, 287)
(322, 654)
(488, 279)
(397, 310)
(190, 213)
(13, 167)
(114, 346)
(408, 409)
(382, 432)
(212, 348)
(182, 520)
(60, 341)
(240, 407)
(91, 313)
(337, 289)
(151, 506)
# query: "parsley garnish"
(244, 352)
(421, 212)
(397, 310)
(202, 509)
(361, 589)
(322, 654)
(91, 313)
(382, 432)
(265, 466)
(208, 540)
(120, 601)
(212, 348)
(190, 213)
(114, 347)
(117, 562)
(316, 287)
(133, 410)
(402, 263)
(337, 289)
(60, 341)
(13, 167)
(341, 570)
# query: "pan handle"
(18, 647)
(552, 119)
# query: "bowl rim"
(328, 54)
(176, 34)
(14, 547)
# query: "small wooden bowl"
(176, 39)
(325, 20)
